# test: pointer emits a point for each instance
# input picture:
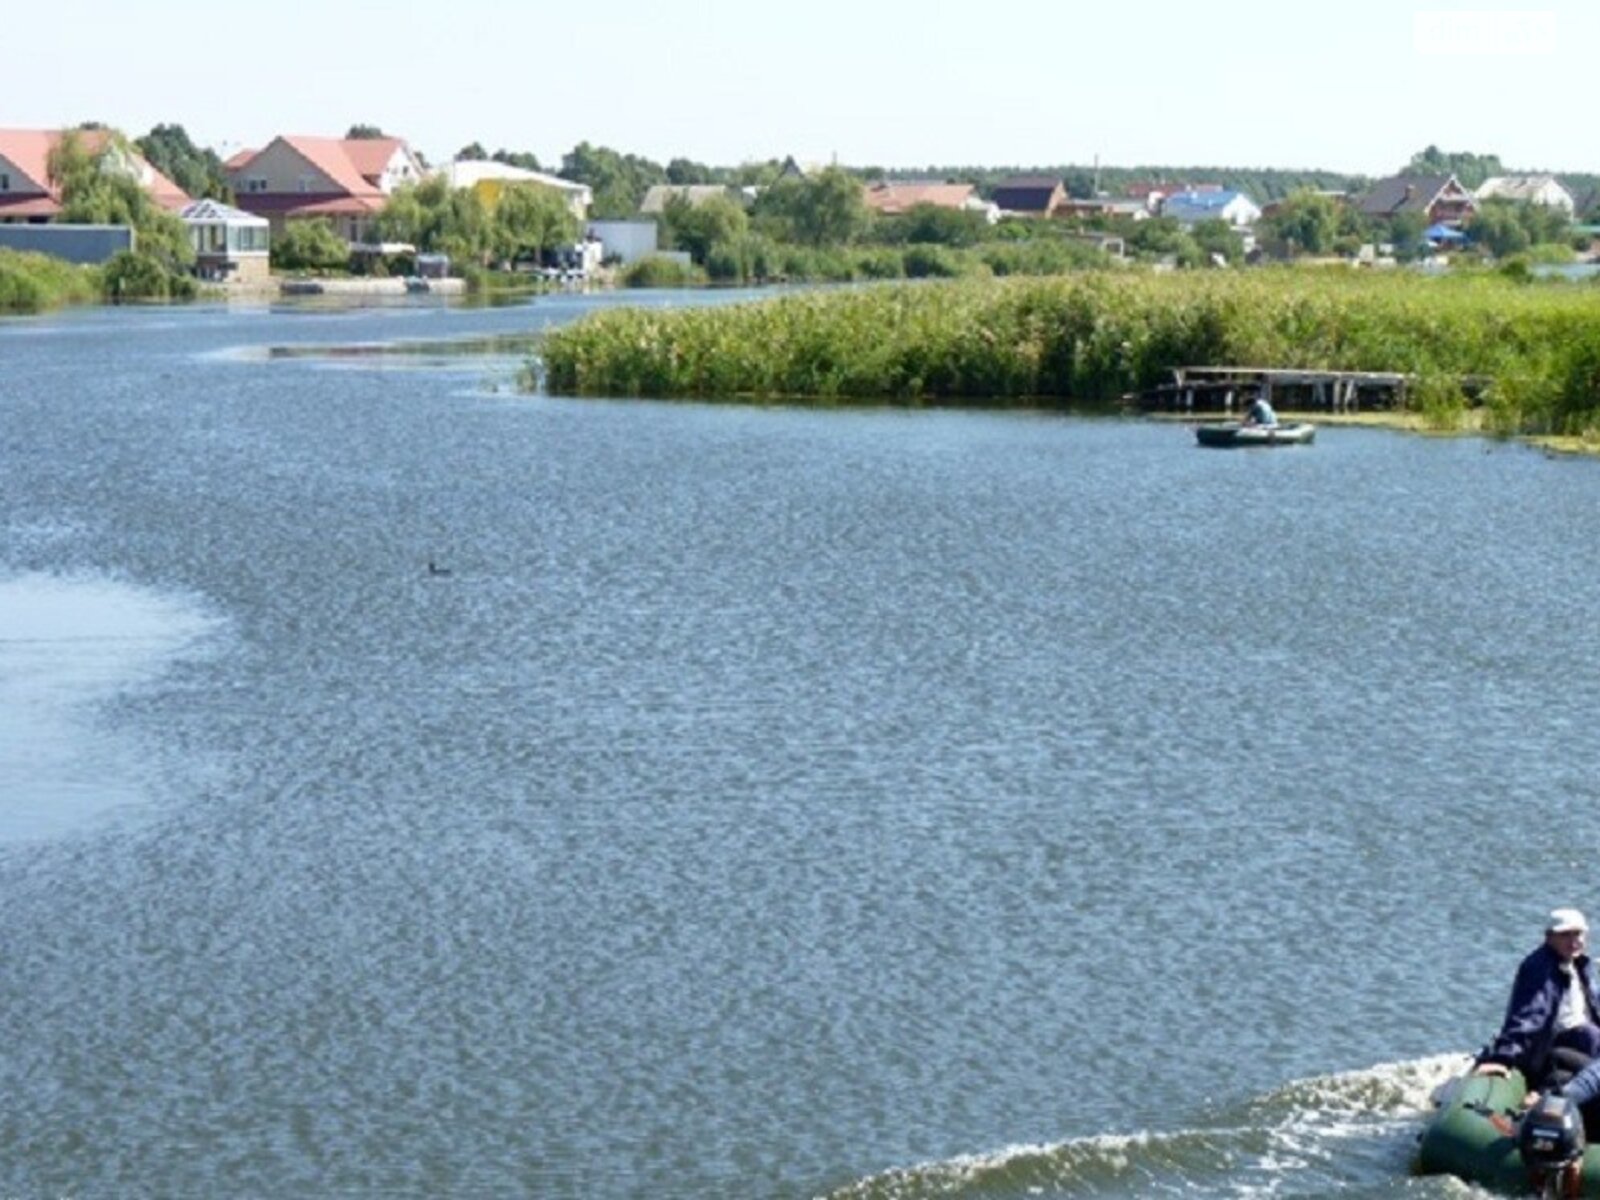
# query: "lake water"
(768, 802)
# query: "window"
(5, 182)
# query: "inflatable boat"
(1232, 433)
(1483, 1133)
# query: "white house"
(1189, 208)
(1529, 189)
(624, 241)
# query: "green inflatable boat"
(1478, 1135)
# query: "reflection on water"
(67, 644)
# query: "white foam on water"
(1288, 1139)
(68, 644)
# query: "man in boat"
(1260, 412)
(1552, 1023)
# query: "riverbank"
(1531, 351)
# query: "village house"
(28, 196)
(896, 198)
(1029, 196)
(1190, 208)
(1153, 192)
(1527, 189)
(1439, 199)
(345, 180)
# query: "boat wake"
(1354, 1133)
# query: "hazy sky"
(1357, 86)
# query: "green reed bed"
(34, 282)
(1531, 352)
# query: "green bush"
(135, 275)
(659, 271)
(309, 245)
(1042, 256)
(927, 261)
(33, 282)
(747, 258)
(885, 263)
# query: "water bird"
(435, 569)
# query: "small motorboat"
(1483, 1133)
(1235, 433)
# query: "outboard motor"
(1551, 1143)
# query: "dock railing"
(1229, 389)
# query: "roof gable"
(1408, 193)
(1524, 187)
(28, 150)
(1028, 193)
(658, 195)
(372, 156)
(898, 197)
(329, 155)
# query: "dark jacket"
(1530, 1026)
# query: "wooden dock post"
(1222, 389)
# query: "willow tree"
(433, 216)
(529, 217)
(99, 185)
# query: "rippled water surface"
(755, 802)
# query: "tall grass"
(33, 282)
(1534, 351)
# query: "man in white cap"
(1552, 1023)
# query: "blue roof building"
(1235, 208)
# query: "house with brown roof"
(345, 180)
(1439, 199)
(1029, 196)
(26, 193)
(895, 198)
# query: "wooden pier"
(1233, 389)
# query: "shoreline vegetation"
(1512, 358)
(31, 283)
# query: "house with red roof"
(346, 180)
(26, 193)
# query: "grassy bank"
(1535, 349)
(36, 282)
(31, 283)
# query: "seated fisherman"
(1260, 413)
(1552, 1022)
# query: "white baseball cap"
(1566, 920)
